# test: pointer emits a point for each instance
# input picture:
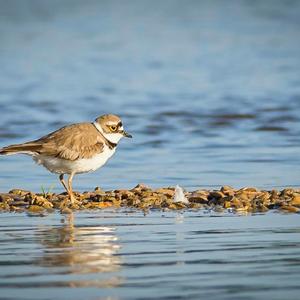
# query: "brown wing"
(72, 142)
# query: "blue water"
(210, 90)
(119, 255)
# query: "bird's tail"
(20, 148)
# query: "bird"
(74, 149)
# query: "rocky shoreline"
(245, 200)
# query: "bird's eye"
(113, 128)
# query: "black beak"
(126, 134)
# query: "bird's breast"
(83, 165)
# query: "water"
(210, 91)
(125, 255)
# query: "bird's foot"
(74, 202)
(70, 202)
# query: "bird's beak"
(126, 134)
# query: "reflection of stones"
(81, 250)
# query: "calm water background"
(211, 92)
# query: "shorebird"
(74, 149)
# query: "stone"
(216, 195)
(227, 190)
(295, 200)
(35, 209)
(166, 191)
(291, 209)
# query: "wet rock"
(141, 187)
(124, 194)
(246, 194)
(35, 209)
(98, 191)
(7, 198)
(19, 192)
(295, 200)
(227, 190)
(17, 209)
(199, 197)
(216, 195)
(177, 205)
(287, 193)
(4, 206)
(41, 201)
(195, 206)
(290, 209)
(166, 191)
(249, 189)
(236, 203)
(219, 209)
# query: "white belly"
(63, 166)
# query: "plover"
(74, 149)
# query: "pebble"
(142, 197)
(295, 200)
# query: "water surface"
(210, 90)
(126, 255)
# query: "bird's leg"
(71, 194)
(65, 202)
(61, 178)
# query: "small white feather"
(179, 195)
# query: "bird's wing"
(72, 142)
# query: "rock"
(177, 205)
(4, 206)
(216, 195)
(41, 201)
(19, 192)
(274, 195)
(124, 194)
(199, 197)
(7, 198)
(219, 209)
(17, 209)
(141, 187)
(166, 191)
(235, 202)
(242, 210)
(291, 209)
(227, 204)
(195, 205)
(249, 189)
(246, 195)
(98, 191)
(105, 204)
(35, 209)
(227, 190)
(287, 193)
(295, 200)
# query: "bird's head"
(111, 127)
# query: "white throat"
(112, 137)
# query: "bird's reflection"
(81, 250)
